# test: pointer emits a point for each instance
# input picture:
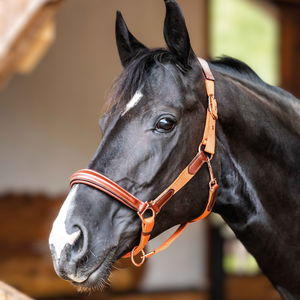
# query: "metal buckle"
(211, 174)
(141, 214)
(149, 254)
(212, 106)
(200, 150)
(148, 206)
(212, 182)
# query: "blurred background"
(57, 61)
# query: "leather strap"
(147, 226)
(186, 175)
(101, 182)
(206, 70)
(212, 110)
(210, 203)
(209, 139)
(168, 242)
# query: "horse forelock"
(130, 82)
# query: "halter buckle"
(212, 182)
(200, 150)
(149, 254)
(148, 207)
(212, 106)
(211, 174)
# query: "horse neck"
(259, 138)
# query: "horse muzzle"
(83, 268)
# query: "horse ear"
(176, 34)
(128, 45)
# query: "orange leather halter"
(99, 181)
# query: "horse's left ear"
(128, 45)
(176, 34)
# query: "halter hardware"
(148, 207)
(143, 257)
(99, 181)
(212, 106)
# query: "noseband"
(104, 184)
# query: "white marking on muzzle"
(133, 102)
(59, 236)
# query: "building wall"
(49, 119)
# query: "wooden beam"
(26, 42)
(248, 288)
(206, 15)
(286, 1)
(290, 47)
(36, 49)
(9, 293)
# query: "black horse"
(152, 130)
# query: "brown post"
(290, 46)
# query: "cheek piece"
(106, 185)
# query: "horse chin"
(98, 278)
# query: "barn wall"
(49, 119)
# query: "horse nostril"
(78, 244)
(73, 248)
(59, 238)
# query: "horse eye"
(165, 124)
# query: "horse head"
(151, 132)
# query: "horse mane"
(240, 69)
(135, 74)
(236, 66)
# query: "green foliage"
(244, 30)
(233, 265)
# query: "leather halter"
(104, 184)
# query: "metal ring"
(143, 257)
(200, 150)
(213, 181)
(148, 207)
